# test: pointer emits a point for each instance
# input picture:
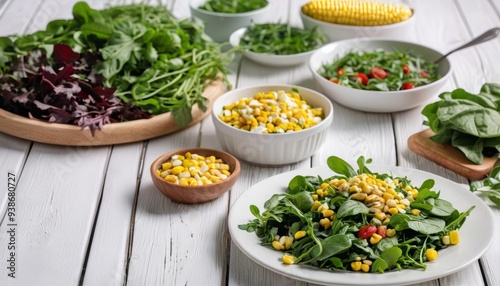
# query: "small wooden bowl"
(195, 194)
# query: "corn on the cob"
(357, 13)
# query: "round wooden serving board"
(110, 134)
(449, 156)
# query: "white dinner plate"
(476, 234)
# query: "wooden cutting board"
(116, 133)
(449, 156)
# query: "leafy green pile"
(346, 241)
(280, 39)
(380, 70)
(233, 6)
(469, 122)
(155, 62)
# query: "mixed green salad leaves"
(280, 39)
(380, 70)
(357, 221)
(233, 6)
(153, 60)
(469, 122)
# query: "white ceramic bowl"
(219, 26)
(269, 59)
(272, 149)
(335, 32)
(378, 101)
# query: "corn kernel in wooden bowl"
(194, 175)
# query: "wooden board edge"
(448, 156)
(111, 134)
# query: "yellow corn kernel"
(286, 241)
(327, 213)
(390, 232)
(314, 197)
(415, 212)
(323, 207)
(413, 193)
(380, 215)
(315, 205)
(365, 267)
(171, 179)
(354, 188)
(431, 254)
(357, 13)
(388, 196)
(288, 259)
(356, 265)
(166, 166)
(359, 196)
(375, 238)
(300, 234)
(326, 223)
(393, 211)
(277, 245)
(177, 170)
(454, 237)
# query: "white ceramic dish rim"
(299, 134)
(235, 38)
(196, 4)
(358, 28)
(314, 65)
(481, 218)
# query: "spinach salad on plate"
(357, 221)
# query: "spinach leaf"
(332, 245)
(351, 207)
(339, 166)
(302, 200)
(427, 226)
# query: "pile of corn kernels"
(194, 170)
(272, 112)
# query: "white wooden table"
(91, 215)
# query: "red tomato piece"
(340, 71)
(407, 85)
(378, 73)
(367, 231)
(382, 231)
(424, 74)
(361, 77)
(334, 80)
(406, 69)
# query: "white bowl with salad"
(379, 75)
(272, 125)
(221, 19)
(277, 44)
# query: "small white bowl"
(272, 149)
(219, 26)
(335, 32)
(269, 59)
(378, 101)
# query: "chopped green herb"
(233, 6)
(280, 39)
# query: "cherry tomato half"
(406, 69)
(382, 231)
(424, 74)
(361, 77)
(334, 80)
(367, 231)
(340, 71)
(407, 85)
(378, 73)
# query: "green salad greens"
(233, 6)
(469, 122)
(154, 61)
(280, 39)
(357, 221)
(380, 70)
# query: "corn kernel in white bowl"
(378, 101)
(272, 149)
